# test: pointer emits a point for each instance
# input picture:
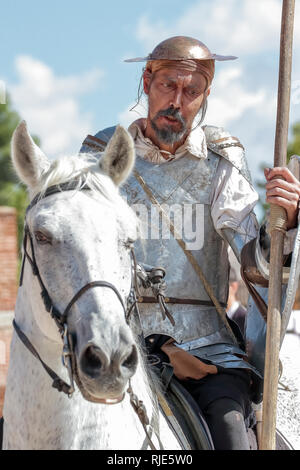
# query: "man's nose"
(176, 100)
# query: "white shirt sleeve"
(233, 199)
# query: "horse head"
(79, 237)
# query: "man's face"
(174, 97)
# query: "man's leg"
(225, 420)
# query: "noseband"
(68, 356)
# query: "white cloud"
(231, 27)
(229, 99)
(126, 117)
(50, 104)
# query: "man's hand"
(283, 192)
(185, 365)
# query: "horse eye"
(42, 238)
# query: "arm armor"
(254, 256)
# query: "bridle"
(68, 355)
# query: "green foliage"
(294, 146)
(9, 120)
(12, 193)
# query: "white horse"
(78, 237)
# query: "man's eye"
(41, 238)
(193, 92)
(166, 85)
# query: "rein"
(59, 318)
(68, 356)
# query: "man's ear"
(208, 92)
(146, 82)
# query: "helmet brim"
(221, 58)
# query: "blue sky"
(75, 37)
(62, 63)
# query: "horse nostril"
(131, 361)
(90, 361)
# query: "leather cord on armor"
(176, 300)
(250, 274)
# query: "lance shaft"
(277, 230)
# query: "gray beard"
(167, 134)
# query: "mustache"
(173, 112)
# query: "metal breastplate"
(183, 188)
(185, 183)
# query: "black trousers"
(224, 399)
(226, 423)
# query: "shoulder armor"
(218, 141)
(224, 144)
(98, 142)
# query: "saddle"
(183, 413)
(185, 417)
(1, 432)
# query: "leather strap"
(166, 374)
(84, 289)
(69, 186)
(175, 300)
(58, 383)
(250, 274)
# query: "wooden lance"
(277, 231)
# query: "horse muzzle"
(103, 374)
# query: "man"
(201, 175)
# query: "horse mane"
(85, 169)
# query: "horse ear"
(28, 159)
(119, 156)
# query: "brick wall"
(8, 287)
(5, 339)
(8, 258)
